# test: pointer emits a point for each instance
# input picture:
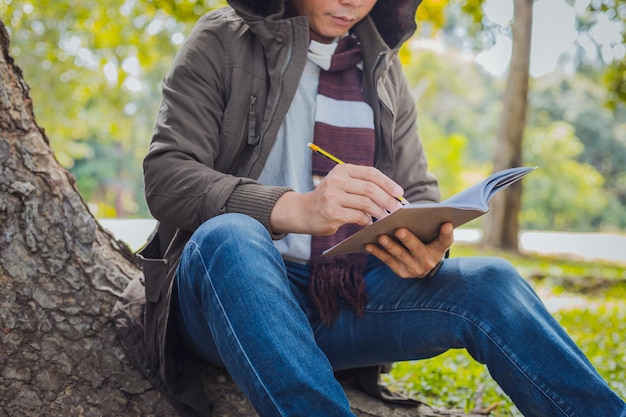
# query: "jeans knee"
(500, 269)
(511, 293)
(499, 279)
(230, 229)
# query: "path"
(601, 246)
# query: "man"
(234, 275)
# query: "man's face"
(329, 19)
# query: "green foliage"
(567, 189)
(451, 380)
(440, 82)
(578, 144)
(614, 78)
(615, 81)
(433, 12)
(577, 101)
(445, 156)
(94, 69)
(587, 298)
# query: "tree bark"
(60, 275)
(501, 227)
(60, 272)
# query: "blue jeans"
(243, 306)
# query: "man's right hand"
(348, 194)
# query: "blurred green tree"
(591, 22)
(566, 194)
(577, 100)
(447, 107)
(94, 68)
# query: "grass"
(587, 298)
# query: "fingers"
(408, 256)
(348, 194)
(315, 213)
(446, 237)
(436, 248)
(371, 189)
(346, 210)
(396, 257)
(351, 199)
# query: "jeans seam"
(193, 251)
(234, 336)
(493, 341)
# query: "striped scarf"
(344, 126)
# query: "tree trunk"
(60, 275)
(501, 225)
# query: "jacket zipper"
(281, 82)
(383, 158)
(246, 137)
(377, 123)
(252, 122)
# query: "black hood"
(394, 19)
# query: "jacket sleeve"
(411, 172)
(182, 187)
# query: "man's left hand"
(408, 256)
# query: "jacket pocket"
(155, 268)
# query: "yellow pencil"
(333, 158)
(321, 151)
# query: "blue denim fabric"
(242, 306)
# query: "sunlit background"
(555, 40)
(95, 69)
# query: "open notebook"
(425, 220)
